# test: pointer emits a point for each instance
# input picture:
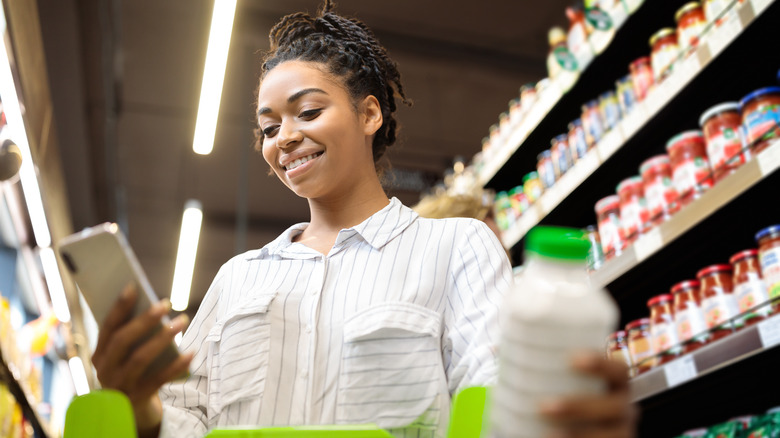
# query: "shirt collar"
(378, 230)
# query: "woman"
(366, 314)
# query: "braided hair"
(350, 51)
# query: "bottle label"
(689, 35)
(691, 174)
(578, 143)
(719, 309)
(633, 215)
(770, 268)
(761, 121)
(690, 321)
(598, 18)
(640, 349)
(723, 147)
(664, 336)
(609, 232)
(662, 59)
(565, 59)
(751, 294)
(659, 194)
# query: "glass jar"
(592, 122)
(633, 210)
(749, 287)
(546, 169)
(690, 24)
(519, 201)
(717, 299)
(485, 143)
(617, 347)
(578, 142)
(527, 96)
(721, 127)
(662, 328)
(503, 122)
(690, 170)
(532, 186)
(609, 109)
(515, 111)
(688, 316)
(625, 93)
(769, 256)
(664, 51)
(495, 136)
(561, 154)
(760, 116)
(505, 216)
(608, 217)
(595, 254)
(641, 77)
(640, 346)
(660, 194)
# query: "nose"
(288, 135)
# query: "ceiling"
(125, 82)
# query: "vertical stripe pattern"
(400, 315)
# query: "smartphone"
(102, 263)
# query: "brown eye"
(310, 114)
(270, 131)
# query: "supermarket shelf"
(10, 377)
(632, 124)
(711, 201)
(738, 346)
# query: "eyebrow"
(295, 96)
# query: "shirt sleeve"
(185, 402)
(480, 277)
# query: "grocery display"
(705, 190)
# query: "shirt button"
(308, 329)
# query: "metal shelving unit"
(10, 376)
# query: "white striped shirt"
(399, 316)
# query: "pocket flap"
(254, 305)
(402, 316)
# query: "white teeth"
(300, 161)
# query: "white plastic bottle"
(553, 312)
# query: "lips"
(302, 160)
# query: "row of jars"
(732, 133)
(722, 299)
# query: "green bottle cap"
(558, 242)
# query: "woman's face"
(314, 138)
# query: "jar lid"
(713, 269)
(515, 101)
(493, 127)
(575, 123)
(743, 255)
(758, 93)
(684, 137)
(515, 190)
(562, 138)
(688, 7)
(544, 154)
(643, 60)
(637, 323)
(501, 194)
(654, 162)
(663, 298)
(629, 183)
(773, 231)
(663, 33)
(530, 176)
(618, 334)
(609, 203)
(717, 109)
(687, 284)
(503, 115)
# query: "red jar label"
(724, 145)
(659, 194)
(633, 214)
(609, 232)
(691, 174)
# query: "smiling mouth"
(301, 161)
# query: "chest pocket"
(391, 367)
(240, 345)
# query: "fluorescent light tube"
(54, 282)
(18, 133)
(185, 257)
(79, 375)
(213, 75)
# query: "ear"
(371, 115)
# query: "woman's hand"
(611, 415)
(120, 361)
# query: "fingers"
(614, 372)
(145, 354)
(125, 338)
(609, 408)
(149, 386)
(118, 315)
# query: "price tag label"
(609, 144)
(688, 70)
(633, 121)
(551, 197)
(647, 244)
(680, 371)
(769, 159)
(769, 332)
